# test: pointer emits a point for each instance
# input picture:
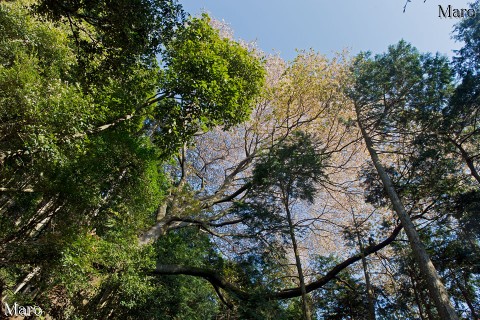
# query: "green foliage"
(400, 85)
(468, 32)
(466, 207)
(37, 102)
(291, 170)
(96, 96)
(111, 36)
(295, 166)
(207, 80)
(410, 106)
(184, 297)
(91, 192)
(258, 308)
(342, 298)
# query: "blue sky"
(329, 26)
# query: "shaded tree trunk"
(435, 285)
(426, 303)
(416, 294)
(466, 296)
(305, 308)
(370, 295)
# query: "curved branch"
(217, 280)
(295, 292)
(232, 196)
(209, 275)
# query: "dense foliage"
(151, 167)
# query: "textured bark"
(211, 276)
(426, 304)
(118, 121)
(157, 230)
(435, 286)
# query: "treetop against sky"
(329, 26)
(152, 167)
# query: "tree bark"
(466, 296)
(370, 295)
(416, 294)
(435, 286)
(426, 304)
(291, 230)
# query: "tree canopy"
(153, 167)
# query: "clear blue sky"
(331, 25)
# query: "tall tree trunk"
(425, 302)
(466, 296)
(435, 286)
(370, 295)
(25, 280)
(2, 286)
(416, 294)
(291, 229)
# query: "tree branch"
(217, 280)
(104, 127)
(209, 275)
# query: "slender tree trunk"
(435, 286)
(370, 295)
(27, 279)
(466, 297)
(468, 160)
(426, 304)
(417, 295)
(2, 286)
(305, 308)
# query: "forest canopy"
(154, 167)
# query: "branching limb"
(218, 281)
(406, 3)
